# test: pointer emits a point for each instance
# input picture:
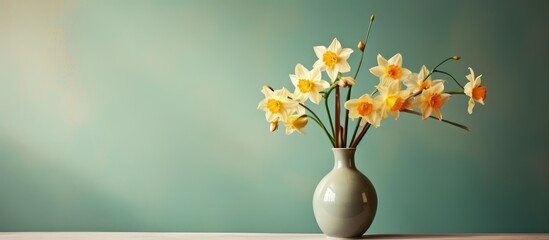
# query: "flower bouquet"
(399, 90)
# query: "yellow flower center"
(305, 85)
(394, 103)
(274, 106)
(424, 85)
(330, 59)
(364, 108)
(394, 71)
(435, 101)
(479, 93)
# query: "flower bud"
(269, 87)
(346, 81)
(456, 57)
(372, 18)
(274, 125)
(361, 46)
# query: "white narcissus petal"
(345, 67)
(425, 112)
(298, 95)
(471, 106)
(396, 60)
(438, 81)
(424, 71)
(270, 116)
(394, 87)
(468, 90)
(300, 110)
(377, 121)
(289, 131)
(395, 114)
(377, 71)
(301, 71)
(381, 61)
(324, 84)
(319, 64)
(412, 82)
(445, 98)
(405, 73)
(332, 73)
(295, 79)
(439, 87)
(319, 51)
(471, 76)
(321, 86)
(284, 93)
(477, 82)
(345, 53)
(437, 113)
(262, 105)
(315, 97)
(335, 46)
(267, 92)
(352, 103)
(353, 114)
(315, 74)
(404, 94)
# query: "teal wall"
(141, 116)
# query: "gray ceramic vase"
(345, 201)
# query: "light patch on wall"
(33, 38)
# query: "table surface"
(245, 236)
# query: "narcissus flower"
(474, 90)
(333, 59)
(277, 104)
(295, 123)
(366, 108)
(392, 99)
(390, 70)
(431, 100)
(417, 82)
(308, 84)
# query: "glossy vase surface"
(345, 201)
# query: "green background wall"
(141, 116)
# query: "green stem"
(363, 50)
(317, 120)
(347, 115)
(337, 135)
(373, 92)
(434, 69)
(456, 92)
(356, 75)
(443, 120)
(322, 126)
(443, 72)
(354, 133)
(326, 96)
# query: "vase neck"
(344, 158)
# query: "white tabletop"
(246, 236)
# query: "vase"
(345, 201)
